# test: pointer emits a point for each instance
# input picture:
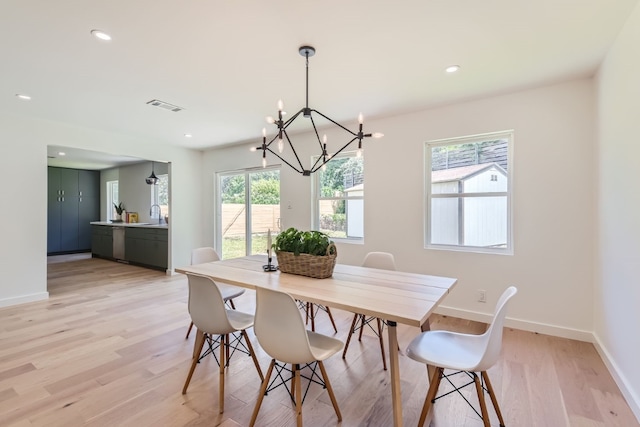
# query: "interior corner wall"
(552, 193)
(23, 257)
(617, 290)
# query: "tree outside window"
(340, 197)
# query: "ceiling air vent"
(165, 105)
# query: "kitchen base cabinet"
(147, 246)
(144, 246)
(102, 241)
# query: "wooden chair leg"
(197, 347)
(493, 396)
(223, 344)
(263, 390)
(483, 405)
(194, 361)
(331, 318)
(351, 332)
(253, 354)
(233, 306)
(330, 390)
(298, 393)
(189, 330)
(384, 359)
(431, 394)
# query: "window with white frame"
(160, 196)
(468, 193)
(112, 199)
(339, 197)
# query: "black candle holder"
(269, 267)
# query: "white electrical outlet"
(482, 295)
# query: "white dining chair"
(229, 292)
(383, 261)
(467, 354)
(282, 334)
(215, 324)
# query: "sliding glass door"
(248, 207)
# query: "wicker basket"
(316, 266)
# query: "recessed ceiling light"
(452, 68)
(23, 96)
(187, 135)
(99, 34)
(61, 153)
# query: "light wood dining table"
(395, 296)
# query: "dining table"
(391, 295)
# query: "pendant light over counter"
(152, 179)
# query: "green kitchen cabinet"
(73, 201)
(147, 246)
(102, 241)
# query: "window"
(248, 206)
(339, 195)
(112, 199)
(468, 193)
(160, 196)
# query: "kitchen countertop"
(131, 224)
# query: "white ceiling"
(76, 158)
(227, 63)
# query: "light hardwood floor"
(108, 349)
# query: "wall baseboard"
(6, 302)
(524, 325)
(633, 400)
(542, 328)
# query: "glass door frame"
(248, 206)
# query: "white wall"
(23, 171)
(617, 287)
(554, 224)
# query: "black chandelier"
(282, 134)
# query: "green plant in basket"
(303, 242)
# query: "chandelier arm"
(315, 168)
(291, 119)
(270, 142)
(336, 123)
(315, 130)
(293, 149)
(288, 164)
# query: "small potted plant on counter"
(119, 209)
(307, 253)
